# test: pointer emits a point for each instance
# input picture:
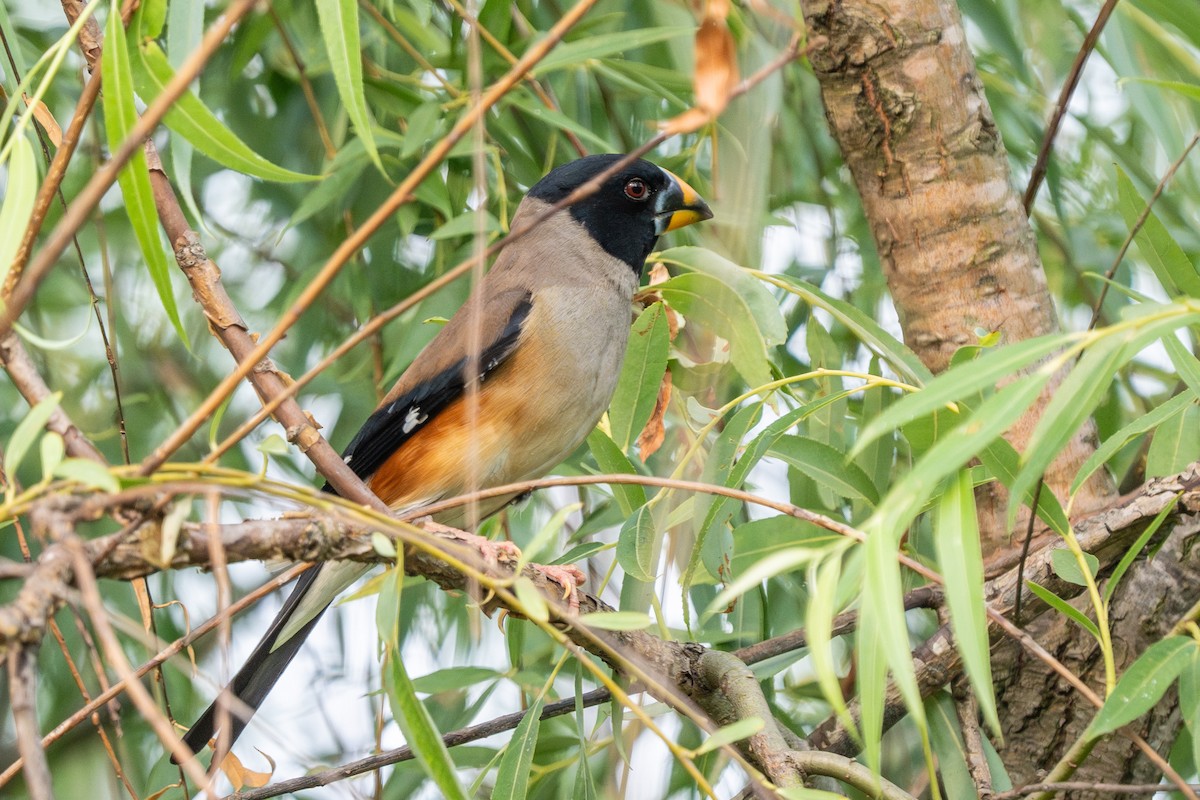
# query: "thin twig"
(89, 591)
(22, 688)
(172, 649)
(966, 706)
(1137, 226)
(377, 761)
(1064, 100)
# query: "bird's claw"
(569, 577)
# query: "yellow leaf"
(42, 114)
(240, 776)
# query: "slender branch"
(89, 591)
(1064, 100)
(1137, 225)
(1085, 786)
(22, 688)
(379, 760)
(170, 650)
(850, 772)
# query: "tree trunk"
(908, 110)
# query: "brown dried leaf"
(716, 65)
(42, 114)
(652, 436)
(163, 791)
(658, 274)
(716, 72)
(242, 777)
(141, 593)
(690, 120)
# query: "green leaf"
(120, 115)
(707, 301)
(636, 551)
(557, 119)
(52, 451)
(641, 376)
(1063, 607)
(827, 466)
(27, 431)
(418, 728)
(1078, 395)
(728, 734)
(956, 538)
(1067, 567)
(1176, 443)
(383, 545)
(512, 779)
(818, 627)
(1149, 421)
(422, 128)
(579, 552)
(617, 620)
(389, 586)
(152, 15)
(546, 534)
(883, 600)
(871, 681)
(866, 330)
(467, 225)
(1143, 684)
(947, 744)
(1110, 586)
(961, 382)
(533, 604)
(781, 562)
(764, 308)
(713, 546)
(192, 120)
(341, 175)
(273, 445)
(452, 679)
(1186, 364)
(1189, 701)
(604, 45)
(90, 473)
(1170, 263)
(19, 193)
(993, 417)
(339, 29)
(613, 461)
(804, 793)
(1188, 90)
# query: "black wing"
(394, 424)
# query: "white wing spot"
(412, 419)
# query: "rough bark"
(1042, 716)
(907, 108)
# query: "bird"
(550, 322)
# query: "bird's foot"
(569, 577)
(493, 553)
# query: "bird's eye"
(636, 189)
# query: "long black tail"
(258, 675)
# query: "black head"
(631, 209)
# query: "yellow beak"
(683, 204)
